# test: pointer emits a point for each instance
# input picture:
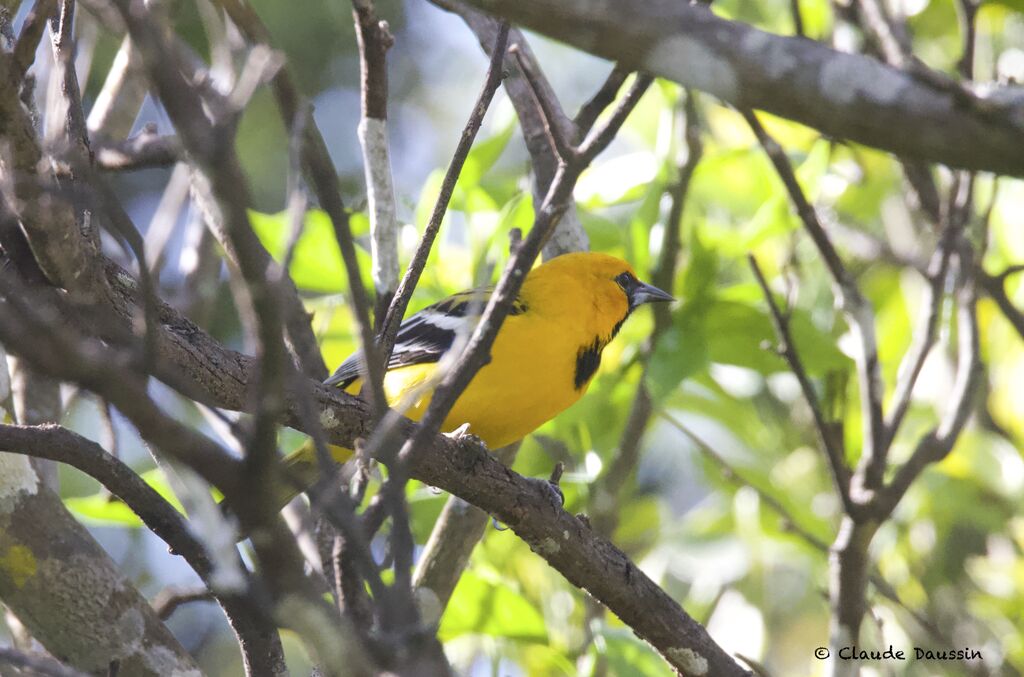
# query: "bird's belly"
(524, 386)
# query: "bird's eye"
(625, 280)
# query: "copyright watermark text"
(890, 653)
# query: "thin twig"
(556, 137)
(924, 336)
(602, 98)
(826, 433)
(600, 137)
(169, 599)
(31, 34)
(72, 117)
(937, 443)
(855, 307)
(889, 39)
(119, 100)
(968, 15)
(730, 473)
(400, 302)
(798, 19)
(995, 288)
(38, 664)
(142, 151)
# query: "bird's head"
(606, 283)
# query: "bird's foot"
(554, 490)
(553, 482)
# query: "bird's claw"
(459, 432)
(553, 483)
(558, 497)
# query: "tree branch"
(400, 302)
(569, 235)
(374, 41)
(937, 443)
(924, 335)
(859, 316)
(41, 664)
(142, 151)
(843, 95)
(255, 630)
(826, 432)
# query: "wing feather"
(425, 336)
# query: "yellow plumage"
(542, 361)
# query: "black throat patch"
(588, 358)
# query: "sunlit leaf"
(102, 508)
(681, 352)
(316, 265)
(493, 608)
(484, 154)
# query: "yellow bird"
(542, 361)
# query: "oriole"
(542, 361)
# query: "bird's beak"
(646, 293)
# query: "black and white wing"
(427, 335)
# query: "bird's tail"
(300, 470)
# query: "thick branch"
(68, 592)
(257, 636)
(843, 95)
(374, 40)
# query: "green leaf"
(1015, 5)
(645, 216)
(316, 265)
(627, 655)
(701, 268)
(484, 154)
(491, 607)
(738, 333)
(605, 234)
(516, 213)
(428, 197)
(681, 352)
(639, 523)
(103, 509)
(424, 508)
(813, 168)
(621, 179)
